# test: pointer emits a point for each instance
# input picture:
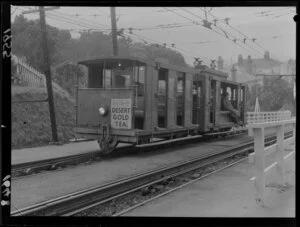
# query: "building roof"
(265, 63)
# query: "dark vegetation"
(31, 121)
(275, 94)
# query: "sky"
(255, 29)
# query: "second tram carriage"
(131, 100)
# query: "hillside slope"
(31, 121)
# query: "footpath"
(229, 193)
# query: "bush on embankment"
(31, 121)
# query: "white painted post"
(259, 164)
(280, 153)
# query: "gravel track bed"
(117, 205)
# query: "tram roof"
(138, 60)
(121, 58)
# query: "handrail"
(262, 117)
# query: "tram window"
(180, 98)
(162, 85)
(95, 77)
(162, 98)
(118, 77)
(199, 91)
(107, 78)
(180, 83)
(234, 94)
(228, 89)
(139, 78)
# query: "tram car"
(135, 101)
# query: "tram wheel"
(108, 146)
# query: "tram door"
(162, 98)
(197, 90)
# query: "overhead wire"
(218, 19)
(210, 29)
(256, 43)
(226, 32)
(79, 23)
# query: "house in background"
(245, 69)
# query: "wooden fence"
(30, 77)
(257, 129)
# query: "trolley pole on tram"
(114, 30)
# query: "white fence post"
(257, 123)
(259, 164)
(280, 153)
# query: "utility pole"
(48, 73)
(46, 69)
(114, 30)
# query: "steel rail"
(74, 202)
(53, 163)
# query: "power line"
(162, 44)
(218, 19)
(240, 33)
(210, 29)
(80, 24)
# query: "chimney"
(249, 65)
(213, 64)
(220, 63)
(240, 60)
(267, 55)
(233, 73)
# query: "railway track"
(29, 168)
(77, 202)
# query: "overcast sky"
(273, 28)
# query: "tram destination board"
(121, 113)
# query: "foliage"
(155, 51)
(272, 95)
(91, 44)
(66, 75)
(31, 122)
(26, 41)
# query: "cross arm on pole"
(37, 10)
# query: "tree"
(26, 41)
(272, 95)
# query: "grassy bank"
(31, 121)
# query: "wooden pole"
(48, 73)
(114, 30)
